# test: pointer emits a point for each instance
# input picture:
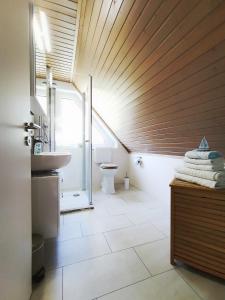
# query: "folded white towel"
(215, 161)
(204, 182)
(217, 167)
(217, 176)
(203, 154)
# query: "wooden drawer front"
(199, 231)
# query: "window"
(68, 128)
(101, 135)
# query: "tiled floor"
(120, 251)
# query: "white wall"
(119, 157)
(155, 174)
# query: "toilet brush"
(126, 182)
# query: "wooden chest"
(198, 227)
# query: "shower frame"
(86, 99)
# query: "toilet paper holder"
(139, 161)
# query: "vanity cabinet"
(198, 227)
(45, 204)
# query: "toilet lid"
(108, 166)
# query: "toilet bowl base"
(108, 185)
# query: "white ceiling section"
(63, 21)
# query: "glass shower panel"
(68, 138)
(72, 130)
(88, 140)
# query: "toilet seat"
(108, 166)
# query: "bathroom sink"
(47, 161)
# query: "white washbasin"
(47, 161)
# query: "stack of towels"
(204, 168)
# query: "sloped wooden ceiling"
(63, 19)
(158, 70)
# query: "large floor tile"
(93, 278)
(166, 286)
(142, 214)
(159, 217)
(58, 254)
(207, 287)
(132, 236)
(115, 206)
(163, 225)
(86, 214)
(103, 224)
(156, 256)
(139, 197)
(50, 288)
(137, 213)
(158, 214)
(69, 231)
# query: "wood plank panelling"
(158, 70)
(62, 20)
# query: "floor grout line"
(105, 254)
(189, 285)
(137, 245)
(151, 277)
(112, 230)
(159, 229)
(107, 242)
(142, 261)
(88, 259)
(77, 262)
(91, 235)
(126, 286)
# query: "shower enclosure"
(70, 130)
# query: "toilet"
(103, 157)
(108, 171)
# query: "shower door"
(88, 140)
